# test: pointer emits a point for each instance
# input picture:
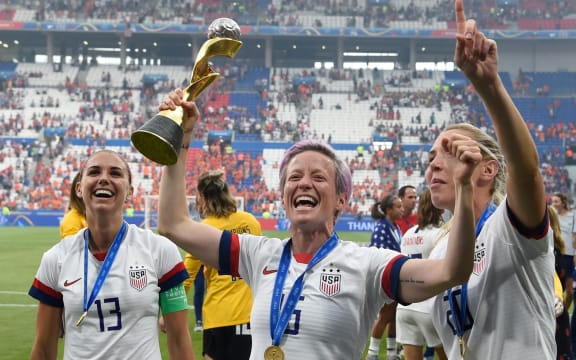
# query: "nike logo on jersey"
(267, 271)
(68, 283)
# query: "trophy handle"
(213, 47)
(192, 91)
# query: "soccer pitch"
(21, 249)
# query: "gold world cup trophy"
(160, 138)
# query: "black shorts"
(228, 342)
(569, 259)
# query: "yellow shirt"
(71, 223)
(228, 300)
(558, 287)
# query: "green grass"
(21, 249)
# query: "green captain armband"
(173, 299)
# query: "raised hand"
(191, 113)
(462, 156)
(475, 55)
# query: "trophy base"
(159, 139)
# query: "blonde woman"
(506, 308)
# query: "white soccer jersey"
(122, 323)
(417, 244)
(568, 228)
(341, 297)
(510, 295)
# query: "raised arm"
(174, 220)
(477, 57)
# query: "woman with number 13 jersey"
(110, 280)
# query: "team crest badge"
(138, 278)
(479, 259)
(330, 282)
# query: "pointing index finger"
(460, 16)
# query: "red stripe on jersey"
(234, 255)
(390, 276)
(175, 270)
(46, 290)
(538, 233)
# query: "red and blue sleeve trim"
(229, 254)
(538, 233)
(173, 277)
(224, 253)
(391, 276)
(45, 294)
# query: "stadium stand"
(336, 118)
(53, 118)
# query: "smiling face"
(309, 194)
(105, 185)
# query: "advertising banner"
(53, 218)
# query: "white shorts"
(415, 328)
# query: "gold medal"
(273, 352)
(462, 344)
(82, 317)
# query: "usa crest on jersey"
(330, 283)
(479, 259)
(138, 278)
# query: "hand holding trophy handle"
(176, 99)
(160, 138)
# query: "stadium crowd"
(368, 14)
(39, 176)
(31, 180)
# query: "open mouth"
(305, 201)
(106, 194)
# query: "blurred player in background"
(409, 197)
(228, 299)
(564, 279)
(386, 235)
(567, 223)
(75, 217)
(414, 328)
